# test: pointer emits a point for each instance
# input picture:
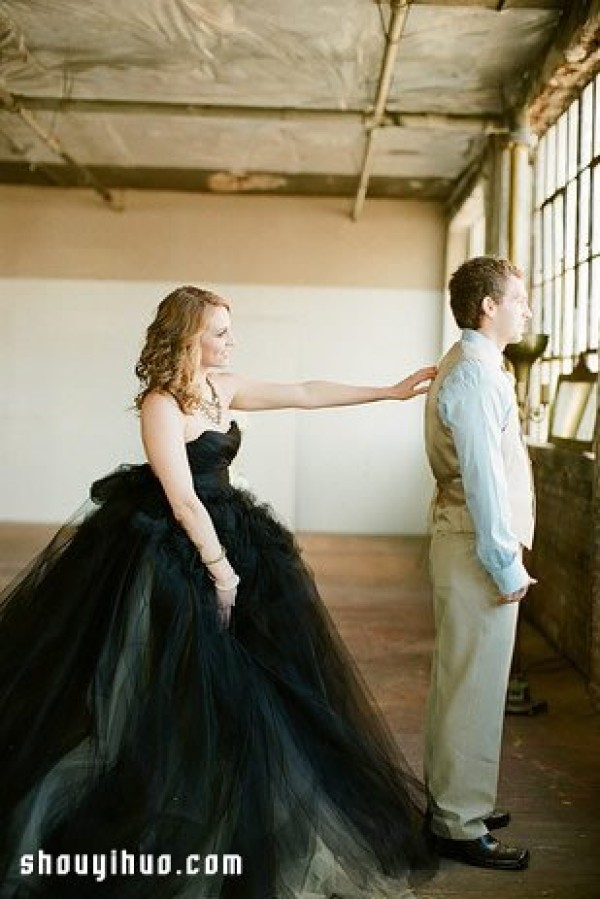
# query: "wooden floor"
(378, 593)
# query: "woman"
(178, 717)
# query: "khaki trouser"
(471, 665)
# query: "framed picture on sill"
(573, 416)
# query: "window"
(566, 244)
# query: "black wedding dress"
(137, 734)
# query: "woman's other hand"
(226, 602)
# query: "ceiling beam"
(85, 176)
(395, 118)
(497, 5)
(201, 181)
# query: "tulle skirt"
(147, 752)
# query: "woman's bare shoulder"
(160, 404)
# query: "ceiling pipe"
(519, 217)
(399, 12)
(11, 104)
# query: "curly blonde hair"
(168, 360)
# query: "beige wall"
(243, 240)
(315, 295)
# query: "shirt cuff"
(512, 578)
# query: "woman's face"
(216, 340)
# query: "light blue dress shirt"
(475, 402)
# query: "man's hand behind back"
(518, 595)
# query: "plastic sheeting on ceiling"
(206, 87)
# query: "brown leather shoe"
(486, 852)
(498, 819)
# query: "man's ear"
(488, 307)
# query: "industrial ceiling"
(271, 96)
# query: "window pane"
(547, 318)
(581, 309)
(539, 173)
(536, 248)
(557, 316)
(594, 323)
(597, 117)
(559, 233)
(583, 213)
(561, 150)
(565, 366)
(596, 209)
(571, 225)
(572, 156)
(550, 161)
(536, 308)
(547, 231)
(569, 314)
(586, 134)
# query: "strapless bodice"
(209, 455)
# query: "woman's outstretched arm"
(249, 395)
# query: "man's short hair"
(482, 276)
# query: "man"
(482, 516)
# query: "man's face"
(512, 313)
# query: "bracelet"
(219, 558)
(227, 585)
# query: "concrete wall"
(314, 295)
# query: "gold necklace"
(211, 408)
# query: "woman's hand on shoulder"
(415, 385)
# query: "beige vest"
(449, 508)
